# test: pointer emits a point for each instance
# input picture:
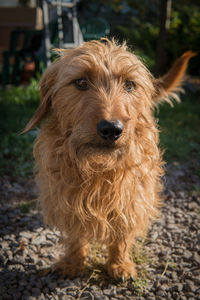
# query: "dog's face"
(98, 94)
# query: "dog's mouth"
(91, 154)
(96, 156)
(100, 151)
(107, 146)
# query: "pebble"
(98, 296)
(187, 254)
(39, 240)
(26, 234)
(172, 251)
(110, 292)
(196, 258)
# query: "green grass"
(26, 207)
(180, 129)
(17, 105)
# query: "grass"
(180, 130)
(97, 274)
(27, 206)
(17, 105)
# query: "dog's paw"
(122, 271)
(65, 269)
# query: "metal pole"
(47, 42)
(60, 23)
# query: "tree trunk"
(161, 54)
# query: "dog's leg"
(71, 264)
(119, 265)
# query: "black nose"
(110, 130)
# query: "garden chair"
(94, 29)
(18, 53)
(55, 26)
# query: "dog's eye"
(81, 84)
(129, 85)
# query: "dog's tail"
(168, 85)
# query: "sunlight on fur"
(100, 185)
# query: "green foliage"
(142, 40)
(17, 105)
(184, 32)
(140, 27)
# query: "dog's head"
(100, 96)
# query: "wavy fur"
(91, 190)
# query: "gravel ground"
(168, 260)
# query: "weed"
(27, 206)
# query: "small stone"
(196, 280)
(182, 193)
(174, 276)
(4, 245)
(187, 254)
(161, 294)
(72, 293)
(26, 234)
(52, 238)
(7, 297)
(196, 258)
(86, 296)
(42, 296)
(109, 292)
(36, 291)
(9, 255)
(52, 285)
(178, 287)
(154, 236)
(38, 240)
(98, 296)
(94, 288)
(189, 287)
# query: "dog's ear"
(169, 84)
(46, 90)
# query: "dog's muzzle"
(110, 130)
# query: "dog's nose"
(110, 130)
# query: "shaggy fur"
(91, 189)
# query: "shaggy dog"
(98, 161)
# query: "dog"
(98, 163)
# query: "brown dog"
(98, 162)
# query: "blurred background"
(159, 31)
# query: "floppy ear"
(170, 83)
(46, 84)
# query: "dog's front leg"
(119, 265)
(72, 263)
